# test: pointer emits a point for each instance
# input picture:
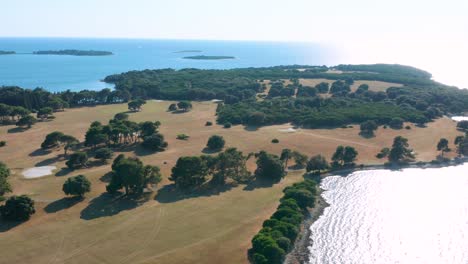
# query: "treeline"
(38, 98)
(318, 112)
(279, 233)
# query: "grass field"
(211, 227)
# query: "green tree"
(95, 136)
(285, 156)
(26, 121)
(184, 105)
(148, 128)
(230, 164)
(215, 142)
(5, 186)
(18, 208)
(103, 154)
(462, 144)
(442, 146)
(131, 174)
(368, 128)
(317, 163)
(45, 113)
(400, 151)
(121, 116)
(52, 140)
(269, 166)
(189, 172)
(299, 158)
(76, 160)
(68, 142)
(136, 105)
(77, 186)
(396, 123)
(338, 156)
(172, 107)
(350, 155)
(154, 142)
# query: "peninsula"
(73, 52)
(204, 57)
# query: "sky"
(403, 31)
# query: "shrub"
(227, 125)
(18, 208)
(208, 123)
(2, 143)
(407, 127)
(182, 137)
(77, 159)
(275, 141)
(154, 142)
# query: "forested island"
(73, 52)
(204, 57)
(3, 52)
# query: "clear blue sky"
(286, 20)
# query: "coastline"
(300, 252)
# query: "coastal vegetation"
(73, 52)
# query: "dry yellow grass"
(214, 228)
(376, 86)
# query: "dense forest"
(418, 100)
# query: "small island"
(73, 52)
(188, 51)
(3, 52)
(203, 57)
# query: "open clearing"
(376, 86)
(214, 227)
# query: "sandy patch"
(158, 101)
(216, 100)
(287, 130)
(38, 172)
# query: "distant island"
(73, 52)
(2, 52)
(203, 57)
(188, 51)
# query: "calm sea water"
(411, 216)
(56, 73)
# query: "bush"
(78, 185)
(2, 143)
(396, 123)
(18, 208)
(208, 123)
(182, 137)
(215, 142)
(227, 125)
(275, 141)
(407, 127)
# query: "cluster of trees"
(461, 142)
(184, 106)
(57, 139)
(132, 175)
(344, 156)
(400, 152)
(120, 130)
(318, 112)
(278, 234)
(299, 158)
(135, 105)
(463, 125)
(5, 186)
(77, 186)
(193, 171)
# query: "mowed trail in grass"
(214, 227)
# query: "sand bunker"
(460, 118)
(287, 130)
(38, 172)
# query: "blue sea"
(59, 73)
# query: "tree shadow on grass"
(16, 130)
(251, 128)
(39, 152)
(109, 205)
(106, 177)
(259, 183)
(62, 204)
(207, 150)
(8, 225)
(169, 193)
(366, 135)
(63, 172)
(49, 161)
